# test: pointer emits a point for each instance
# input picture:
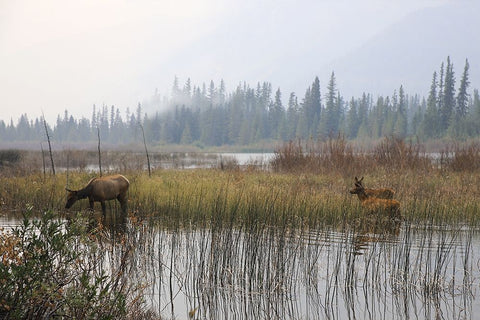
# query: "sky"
(58, 55)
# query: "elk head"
(72, 197)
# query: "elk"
(376, 205)
(102, 189)
(382, 193)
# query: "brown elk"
(376, 205)
(382, 193)
(102, 189)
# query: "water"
(184, 161)
(403, 271)
(274, 273)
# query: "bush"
(9, 157)
(321, 156)
(48, 269)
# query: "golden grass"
(205, 196)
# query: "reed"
(206, 196)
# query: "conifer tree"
(292, 116)
(462, 97)
(431, 120)
(448, 100)
(352, 120)
(331, 118)
(400, 128)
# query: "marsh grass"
(209, 196)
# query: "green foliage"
(48, 269)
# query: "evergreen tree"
(363, 110)
(462, 97)
(331, 118)
(400, 128)
(448, 99)
(292, 117)
(276, 115)
(431, 127)
(311, 109)
(353, 121)
(212, 93)
(187, 89)
(176, 92)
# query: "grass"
(203, 196)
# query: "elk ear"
(68, 189)
(361, 180)
(356, 179)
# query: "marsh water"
(401, 271)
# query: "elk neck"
(85, 192)
(362, 195)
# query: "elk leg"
(90, 201)
(104, 208)
(123, 203)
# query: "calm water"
(257, 272)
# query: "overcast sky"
(57, 54)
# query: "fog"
(57, 55)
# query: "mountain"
(408, 52)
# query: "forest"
(208, 115)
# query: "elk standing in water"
(382, 193)
(376, 205)
(102, 189)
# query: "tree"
(176, 92)
(331, 118)
(292, 116)
(353, 122)
(276, 115)
(400, 128)
(462, 97)
(448, 99)
(431, 127)
(311, 109)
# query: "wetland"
(283, 240)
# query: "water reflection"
(324, 273)
(360, 271)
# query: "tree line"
(210, 116)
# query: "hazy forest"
(208, 115)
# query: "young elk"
(382, 193)
(376, 205)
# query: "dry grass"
(309, 184)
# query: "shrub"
(48, 269)
(9, 157)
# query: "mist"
(60, 56)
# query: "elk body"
(382, 193)
(102, 189)
(376, 205)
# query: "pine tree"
(353, 122)
(176, 92)
(276, 115)
(462, 97)
(331, 118)
(400, 128)
(431, 120)
(212, 93)
(448, 101)
(292, 116)
(187, 89)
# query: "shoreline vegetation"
(305, 180)
(68, 262)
